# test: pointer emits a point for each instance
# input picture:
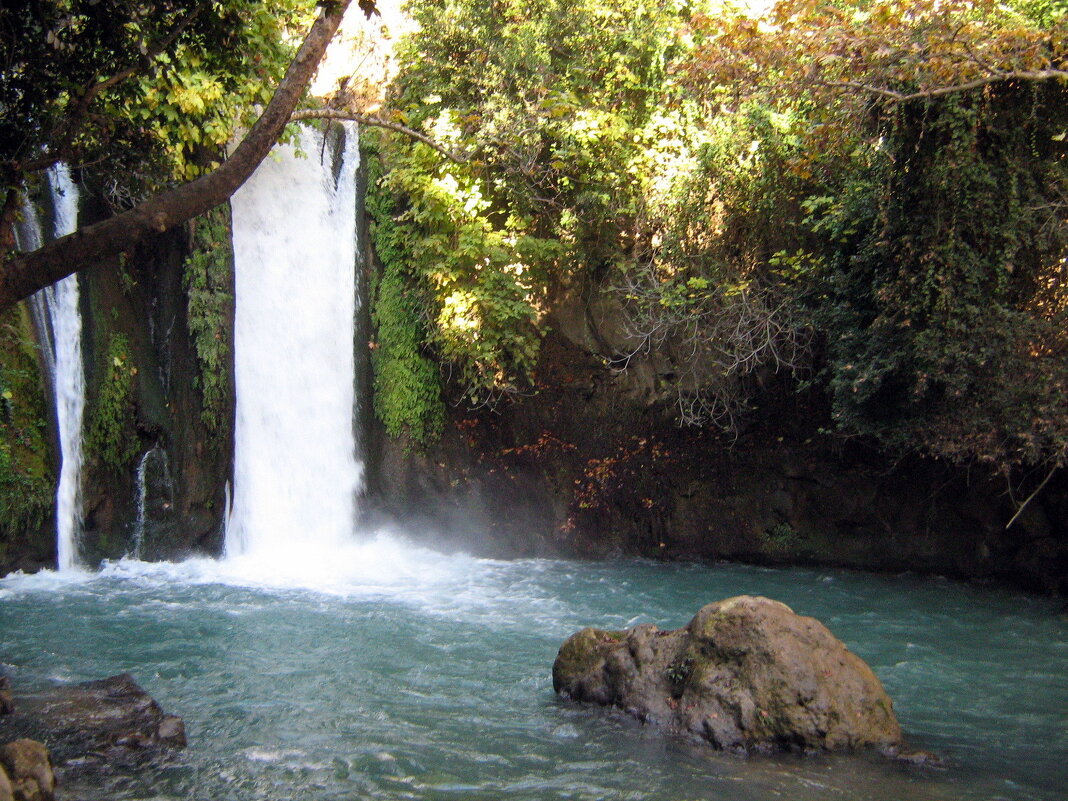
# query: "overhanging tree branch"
(1032, 496)
(377, 122)
(23, 274)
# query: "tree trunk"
(24, 274)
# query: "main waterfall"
(296, 470)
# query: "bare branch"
(1032, 496)
(717, 340)
(377, 122)
(902, 97)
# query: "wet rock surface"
(112, 720)
(746, 674)
(592, 465)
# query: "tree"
(894, 50)
(588, 172)
(932, 228)
(559, 107)
(53, 112)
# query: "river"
(393, 672)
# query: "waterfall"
(163, 491)
(55, 309)
(296, 470)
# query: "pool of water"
(391, 672)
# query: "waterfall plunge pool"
(416, 675)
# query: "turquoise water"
(422, 676)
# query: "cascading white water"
(60, 322)
(296, 471)
(69, 377)
(161, 482)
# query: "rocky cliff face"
(592, 464)
(28, 464)
(152, 454)
(158, 428)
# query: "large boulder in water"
(746, 674)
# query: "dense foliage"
(871, 192)
(208, 275)
(407, 391)
(145, 90)
(558, 110)
(588, 163)
(946, 311)
(934, 225)
(110, 427)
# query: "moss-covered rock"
(159, 395)
(746, 674)
(27, 469)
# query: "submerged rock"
(111, 719)
(746, 674)
(26, 772)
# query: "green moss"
(578, 654)
(26, 474)
(679, 673)
(208, 276)
(407, 385)
(110, 434)
(782, 539)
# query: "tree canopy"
(869, 196)
(114, 82)
(147, 95)
(852, 52)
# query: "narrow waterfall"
(153, 473)
(296, 470)
(59, 321)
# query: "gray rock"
(28, 769)
(746, 674)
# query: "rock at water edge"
(27, 767)
(746, 674)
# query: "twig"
(901, 97)
(374, 121)
(1031, 497)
